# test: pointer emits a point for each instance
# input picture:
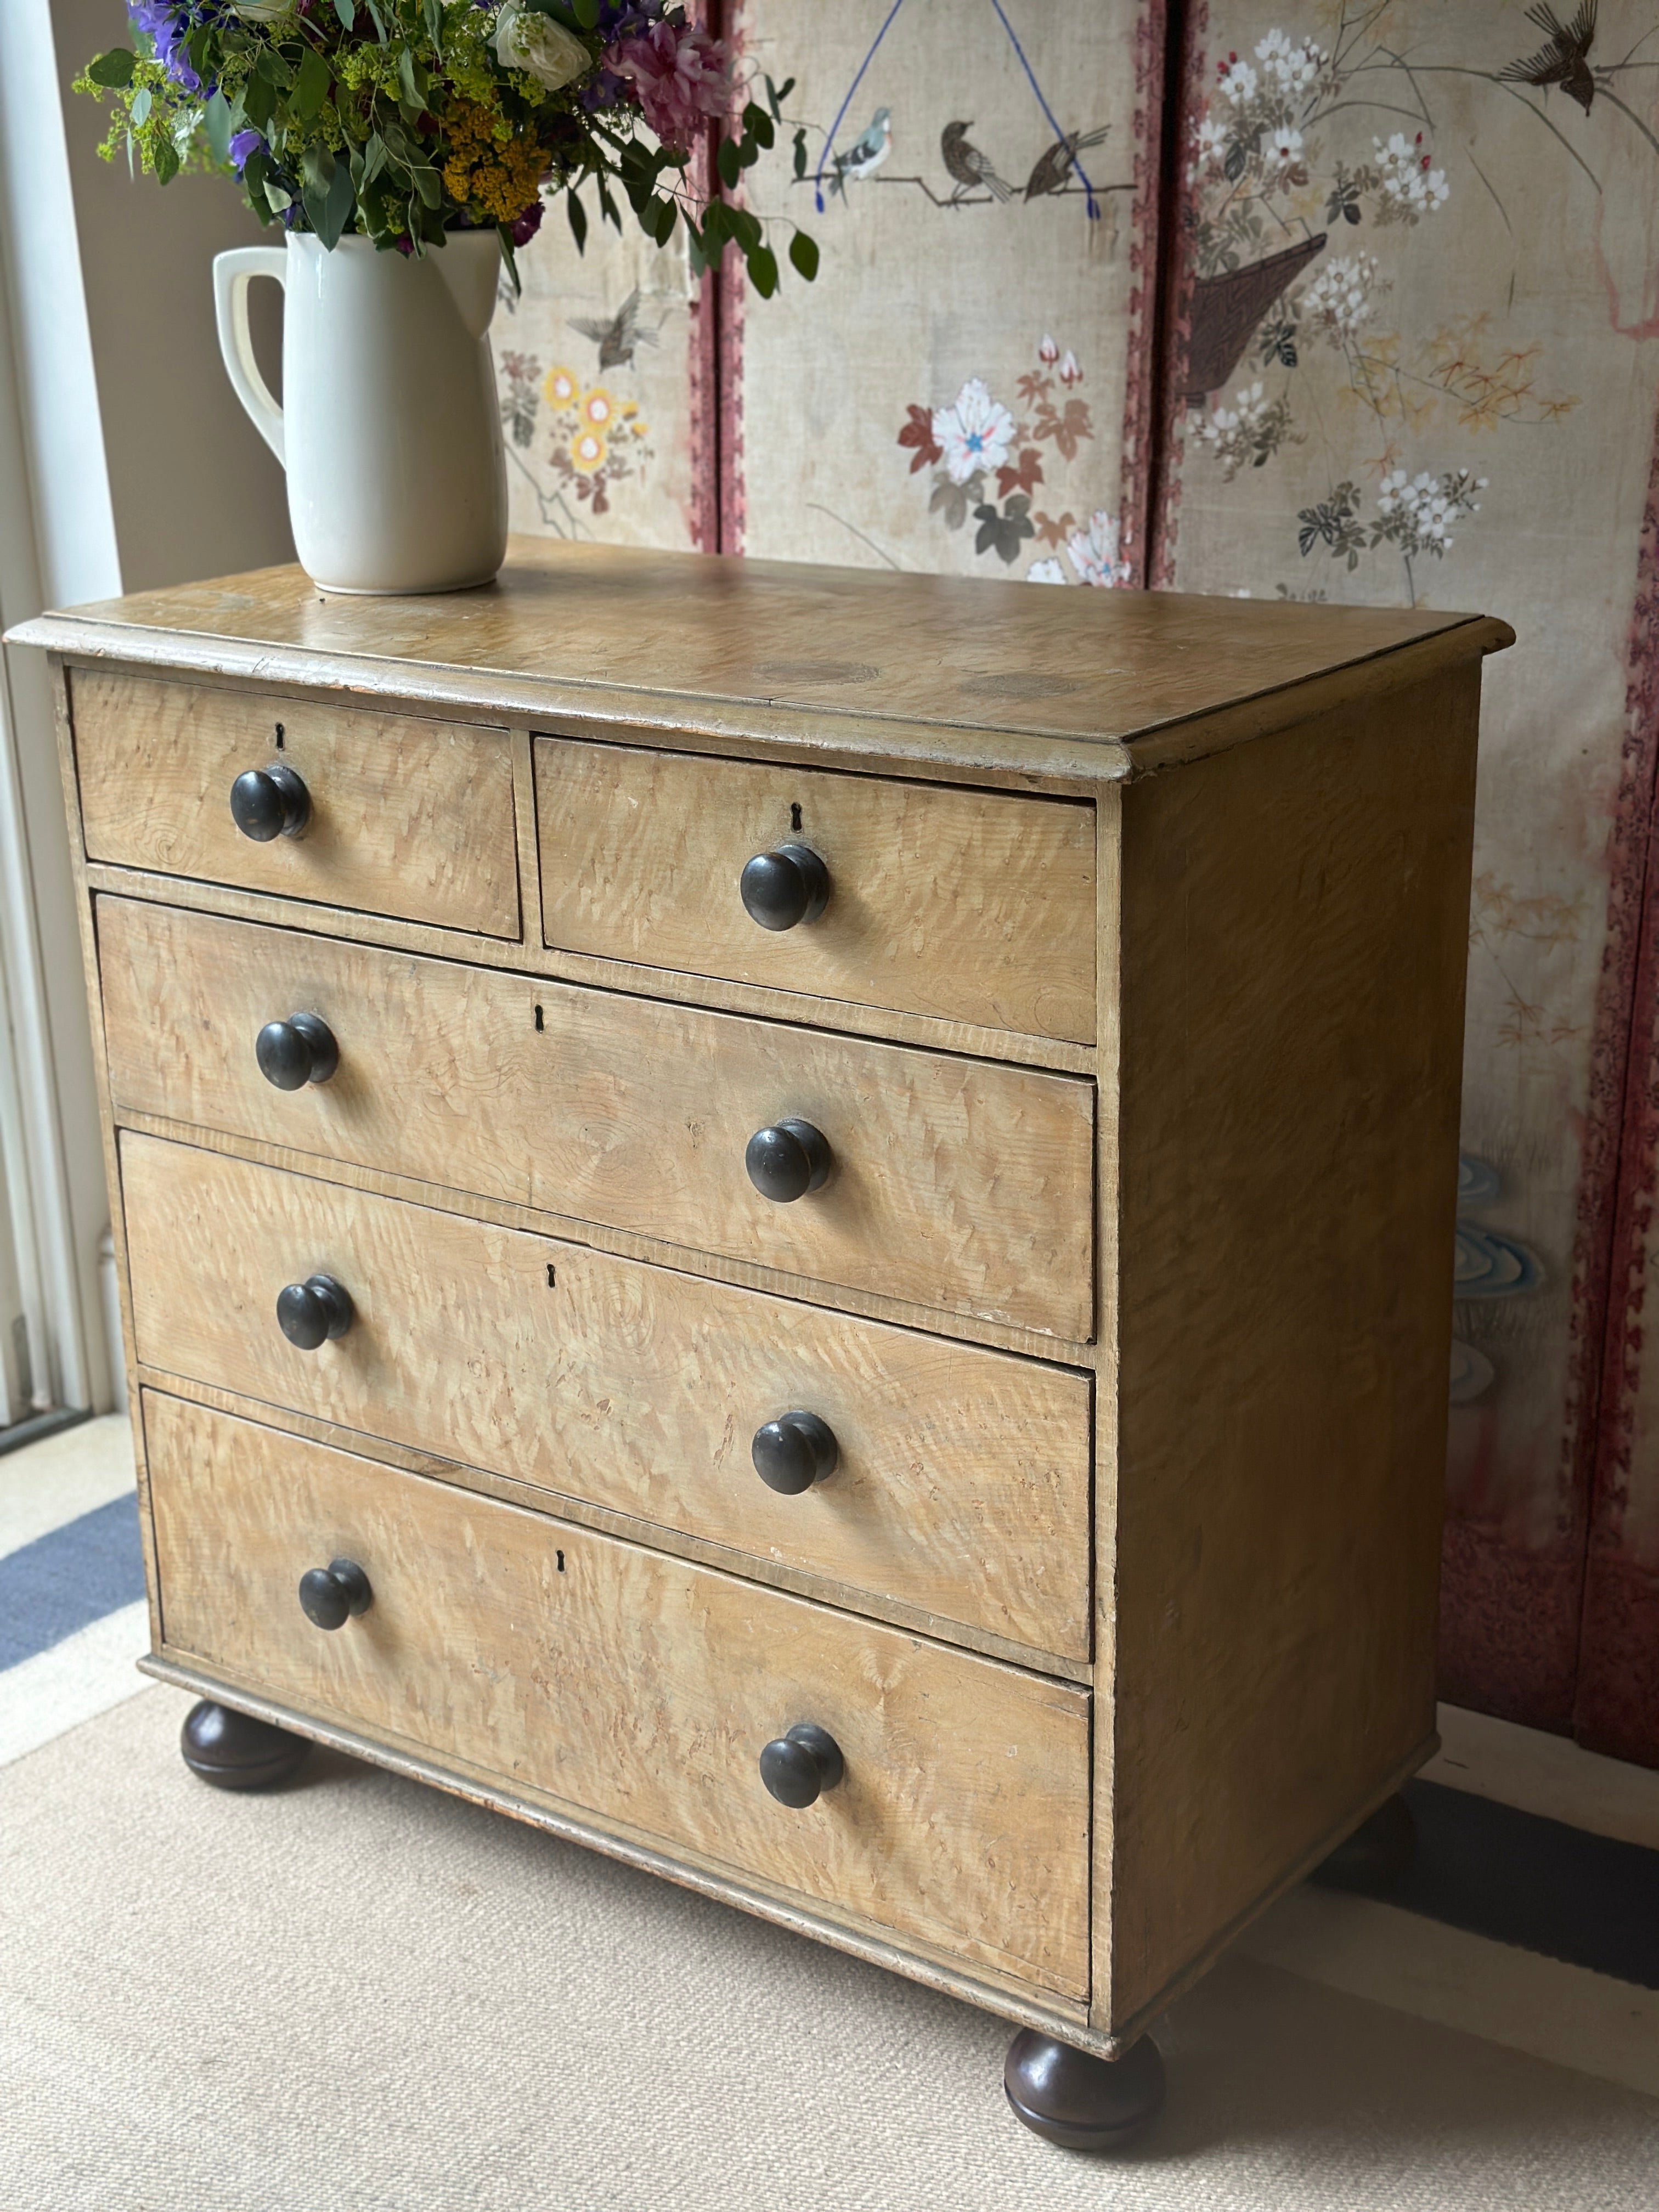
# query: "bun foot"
(233, 1751)
(1071, 2098)
(1376, 1856)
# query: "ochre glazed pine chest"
(797, 1223)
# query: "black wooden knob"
(801, 1763)
(311, 1312)
(298, 1051)
(269, 802)
(787, 1160)
(793, 1453)
(788, 884)
(330, 1596)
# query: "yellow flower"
(587, 451)
(598, 407)
(559, 389)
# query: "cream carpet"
(362, 1996)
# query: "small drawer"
(413, 819)
(638, 1688)
(952, 1183)
(953, 1478)
(970, 906)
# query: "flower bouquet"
(403, 120)
(371, 132)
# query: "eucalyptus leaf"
(216, 118)
(347, 12)
(804, 254)
(312, 88)
(167, 161)
(411, 89)
(763, 271)
(114, 69)
(142, 104)
(427, 185)
(373, 158)
(696, 258)
(433, 10)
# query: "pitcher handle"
(233, 273)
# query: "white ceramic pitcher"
(390, 430)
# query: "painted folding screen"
(1415, 359)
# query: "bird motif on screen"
(969, 168)
(865, 154)
(618, 336)
(1053, 165)
(1566, 60)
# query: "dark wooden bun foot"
(233, 1751)
(1071, 2098)
(1376, 1856)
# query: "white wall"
(126, 463)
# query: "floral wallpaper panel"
(594, 360)
(965, 386)
(1416, 362)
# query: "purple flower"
(524, 227)
(243, 145)
(167, 24)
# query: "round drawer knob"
(787, 1160)
(330, 1596)
(784, 886)
(298, 1051)
(793, 1453)
(269, 802)
(801, 1764)
(311, 1312)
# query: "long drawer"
(959, 1184)
(407, 817)
(640, 1688)
(961, 1483)
(974, 906)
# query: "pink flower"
(681, 75)
(1048, 352)
(1069, 371)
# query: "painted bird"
(618, 337)
(1053, 166)
(969, 167)
(1565, 61)
(865, 155)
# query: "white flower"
(1417, 511)
(1045, 572)
(975, 433)
(1095, 555)
(1069, 371)
(1237, 79)
(539, 47)
(1210, 137)
(1292, 68)
(1407, 186)
(1283, 149)
(1338, 300)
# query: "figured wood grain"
(530, 958)
(410, 818)
(958, 1184)
(961, 672)
(640, 1687)
(928, 1963)
(962, 1485)
(1294, 944)
(970, 906)
(464, 1474)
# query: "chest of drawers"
(797, 1224)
